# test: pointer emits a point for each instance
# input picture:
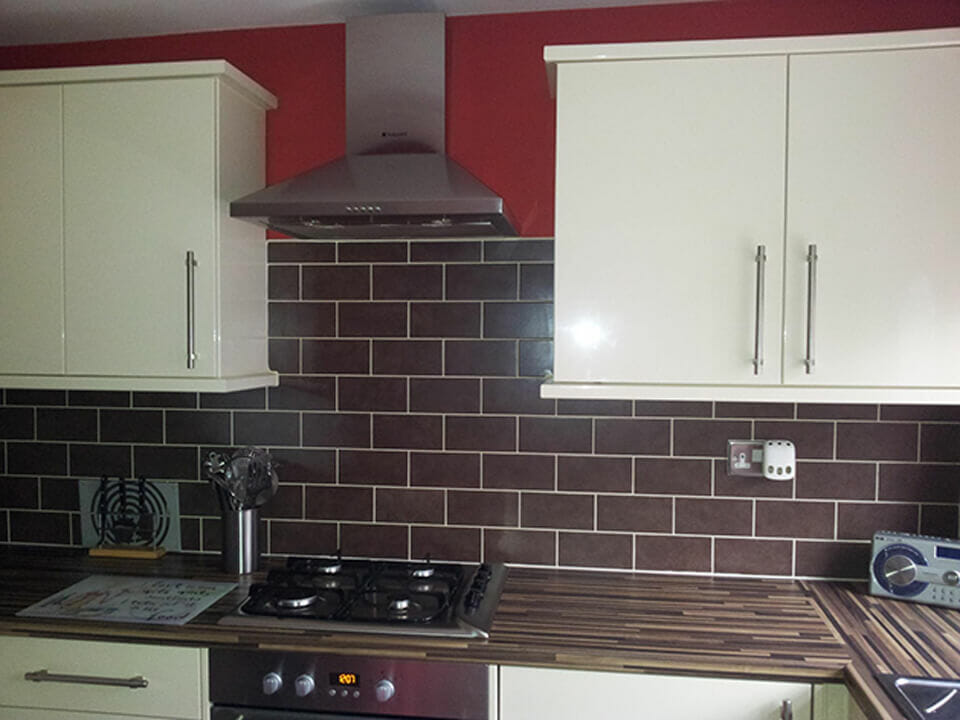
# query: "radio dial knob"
(272, 683)
(951, 577)
(305, 685)
(384, 690)
(900, 570)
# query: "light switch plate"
(745, 457)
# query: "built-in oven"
(268, 685)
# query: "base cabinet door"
(89, 679)
(535, 693)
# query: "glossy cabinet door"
(176, 680)
(670, 175)
(874, 184)
(139, 194)
(31, 247)
(122, 268)
(536, 693)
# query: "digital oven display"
(344, 679)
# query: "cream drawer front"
(176, 678)
(26, 714)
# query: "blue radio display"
(944, 551)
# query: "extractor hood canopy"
(396, 180)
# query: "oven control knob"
(304, 685)
(384, 690)
(272, 683)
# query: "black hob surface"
(375, 596)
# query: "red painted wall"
(500, 119)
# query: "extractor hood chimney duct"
(395, 180)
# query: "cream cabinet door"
(139, 194)
(537, 693)
(874, 184)
(176, 680)
(670, 175)
(31, 235)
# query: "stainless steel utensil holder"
(241, 541)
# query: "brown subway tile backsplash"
(407, 357)
(633, 437)
(556, 435)
(677, 553)
(481, 282)
(518, 472)
(454, 544)
(447, 469)
(350, 357)
(530, 547)
(877, 441)
(445, 395)
(596, 550)
(940, 443)
(372, 319)
(408, 422)
(753, 557)
(517, 320)
(55, 424)
(408, 282)
(594, 474)
(420, 432)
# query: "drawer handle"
(133, 683)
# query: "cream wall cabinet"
(692, 181)
(127, 271)
(176, 680)
(535, 693)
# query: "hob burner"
(421, 598)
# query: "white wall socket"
(771, 459)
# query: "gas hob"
(406, 598)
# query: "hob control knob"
(951, 577)
(272, 683)
(305, 685)
(384, 690)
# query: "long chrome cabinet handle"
(191, 311)
(761, 261)
(133, 683)
(810, 360)
(786, 710)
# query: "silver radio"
(916, 567)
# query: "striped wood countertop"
(761, 628)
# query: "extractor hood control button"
(305, 685)
(384, 690)
(272, 683)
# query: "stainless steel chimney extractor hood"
(396, 180)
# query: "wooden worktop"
(814, 631)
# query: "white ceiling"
(31, 22)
